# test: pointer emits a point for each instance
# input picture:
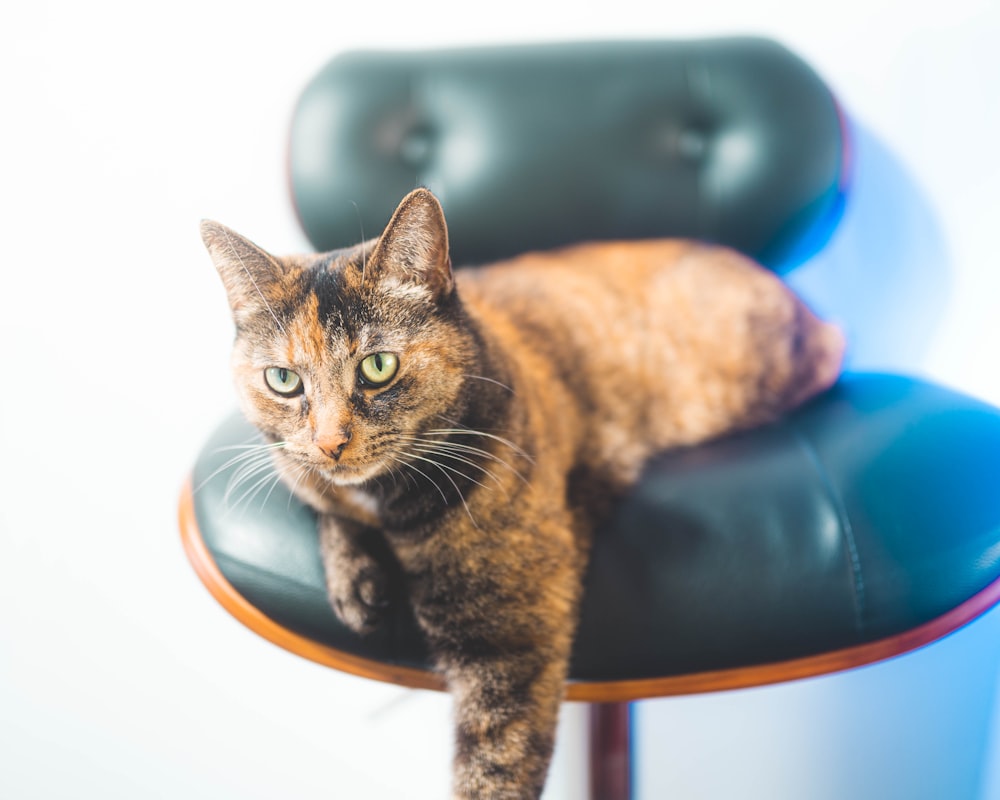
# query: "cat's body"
(460, 435)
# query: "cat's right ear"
(414, 246)
(249, 273)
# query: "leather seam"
(846, 528)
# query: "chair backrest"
(735, 141)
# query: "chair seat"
(860, 527)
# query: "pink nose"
(332, 443)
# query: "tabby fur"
(528, 395)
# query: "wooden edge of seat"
(237, 605)
(593, 692)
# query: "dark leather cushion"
(729, 140)
(867, 513)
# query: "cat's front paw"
(359, 594)
(358, 583)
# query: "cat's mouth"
(303, 463)
(350, 469)
(342, 474)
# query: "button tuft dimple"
(691, 144)
(416, 146)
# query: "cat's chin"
(349, 476)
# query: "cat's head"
(346, 357)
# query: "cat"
(460, 432)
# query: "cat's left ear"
(414, 245)
(248, 272)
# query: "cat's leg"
(357, 572)
(501, 627)
(506, 710)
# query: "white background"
(125, 123)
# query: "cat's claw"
(371, 590)
(361, 603)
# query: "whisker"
(245, 472)
(470, 432)
(239, 258)
(451, 480)
(263, 452)
(249, 451)
(440, 451)
(459, 447)
(252, 461)
(491, 380)
(249, 484)
(395, 472)
(301, 470)
(277, 481)
(243, 476)
(455, 470)
(247, 497)
(420, 472)
(364, 251)
(249, 444)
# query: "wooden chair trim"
(237, 605)
(593, 691)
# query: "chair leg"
(610, 761)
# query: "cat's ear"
(414, 246)
(248, 272)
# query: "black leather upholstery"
(730, 140)
(867, 513)
(872, 510)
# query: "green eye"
(283, 381)
(379, 369)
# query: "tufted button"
(681, 142)
(416, 146)
(692, 144)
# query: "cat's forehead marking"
(332, 287)
(307, 341)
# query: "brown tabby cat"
(460, 433)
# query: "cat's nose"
(332, 443)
